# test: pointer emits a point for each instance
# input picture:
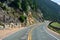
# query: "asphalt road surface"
(38, 33)
(20, 35)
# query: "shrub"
(1, 24)
(22, 18)
(1, 4)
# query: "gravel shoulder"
(7, 32)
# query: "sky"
(57, 1)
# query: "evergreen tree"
(33, 4)
(3, 1)
(16, 4)
(24, 5)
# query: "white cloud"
(57, 1)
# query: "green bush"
(1, 24)
(22, 18)
(1, 4)
(4, 7)
(55, 26)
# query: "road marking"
(29, 34)
(50, 34)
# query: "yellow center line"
(30, 35)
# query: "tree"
(1, 4)
(3, 1)
(24, 5)
(16, 4)
(33, 4)
(22, 18)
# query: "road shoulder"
(52, 33)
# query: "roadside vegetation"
(51, 12)
(40, 10)
(55, 26)
(49, 9)
(17, 11)
(22, 18)
(15, 8)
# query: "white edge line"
(50, 34)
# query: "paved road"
(38, 33)
(20, 35)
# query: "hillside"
(11, 10)
(17, 11)
(49, 9)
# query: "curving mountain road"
(20, 35)
(35, 32)
(39, 33)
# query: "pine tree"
(33, 4)
(16, 4)
(24, 5)
(3, 1)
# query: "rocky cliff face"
(10, 14)
(5, 18)
(30, 19)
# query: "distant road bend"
(40, 33)
(35, 32)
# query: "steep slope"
(12, 10)
(6, 18)
(49, 9)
